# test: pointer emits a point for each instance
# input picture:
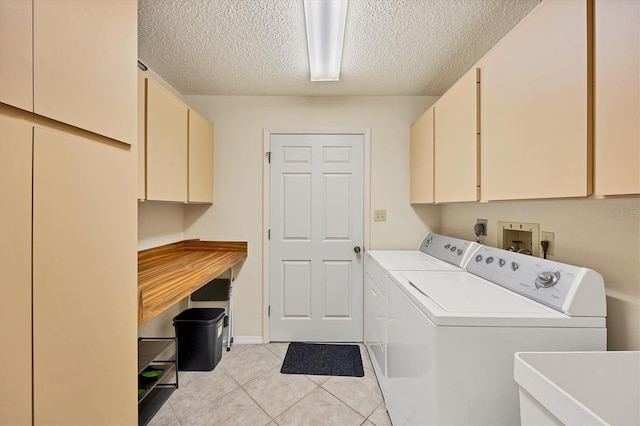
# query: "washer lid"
(462, 299)
(466, 293)
(409, 261)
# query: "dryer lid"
(409, 261)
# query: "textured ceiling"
(258, 47)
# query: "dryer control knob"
(489, 259)
(547, 279)
(501, 262)
(514, 266)
(453, 249)
(478, 258)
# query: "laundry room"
(460, 185)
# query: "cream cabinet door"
(535, 99)
(617, 97)
(166, 149)
(142, 134)
(200, 159)
(421, 159)
(84, 281)
(456, 141)
(85, 55)
(15, 271)
(16, 53)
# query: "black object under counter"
(199, 335)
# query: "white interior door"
(316, 263)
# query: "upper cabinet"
(57, 51)
(175, 157)
(535, 104)
(617, 97)
(421, 159)
(456, 141)
(200, 159)
(16, 60)
(166, 147)
(64, 79)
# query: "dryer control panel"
(571, 289)
(451, 250)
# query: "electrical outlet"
(546, 235)
(379, 215)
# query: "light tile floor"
(246, 388)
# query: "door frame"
(266, 200)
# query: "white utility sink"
(578, 388)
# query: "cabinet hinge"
(268, 155)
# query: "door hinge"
(268, 155)
(269, 234)
(269, 311)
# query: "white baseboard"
(244, 340)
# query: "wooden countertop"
(169, 273)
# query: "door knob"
(357, 249)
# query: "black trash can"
(199, 335)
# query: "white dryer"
(435, 253)
(452, 336)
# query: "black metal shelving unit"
(160, 353)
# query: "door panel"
(296, 218)
(296, 282)
(337, 289)
(84, 281)
(15, 271)
(316, 221)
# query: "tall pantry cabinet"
(68, 214)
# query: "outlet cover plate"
(546, 235)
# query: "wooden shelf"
(169, 273)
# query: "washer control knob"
(447, 246)
(453, 249)
(547, 279)
(501, 262)
(489, 260)
(478, 257)
(514, 266)
(459, 252)
(428, 241)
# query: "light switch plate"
(379, 215)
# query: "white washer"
(452, 336)
(435, 253)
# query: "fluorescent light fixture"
(325, 21)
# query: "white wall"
(236, 214)
(159, 224)
(600, 234)
(603, 235)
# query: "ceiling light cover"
(325, 22)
